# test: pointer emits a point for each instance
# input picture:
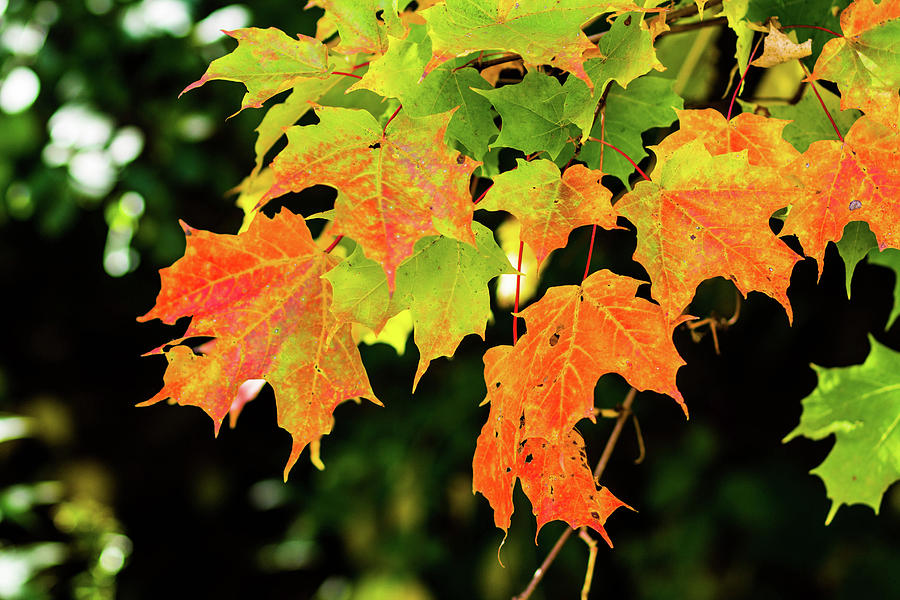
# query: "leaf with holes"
(246, 292)
(706, 216)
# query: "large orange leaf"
(759, 136)
(395, 186)
(854, 180)
(540, 388)
(555, 475)
(261, 296)
(705, 216)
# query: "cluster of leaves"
(407, 109)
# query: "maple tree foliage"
(409, 124)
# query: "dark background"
(145, 503)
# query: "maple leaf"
(704, 216)
(779, 48)
(890, 258)
(856, 180)
(627, 52)
(443, 284)
(808, 123)
(555, 475)
(249, 292)
(865, 63)
(395, 186)
(267, 62)
(538, 112)
(648, 102)
(550, 206)
(860, 405)
(541, 33)
(760, 136)
(854, 245)
(364, 25)
(398, 74)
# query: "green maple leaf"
(363, 25)
(648, 102)
(541, 32)
(860, 405)
(627, 53)
(443, 284)
(537, 112)
(890, 258)
(854, 245)
(267, 62)
(809, 121)
(398, 74)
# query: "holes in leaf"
(521, 421)
(375, 146)
(508, 469)
(855, 205)
(379, 15)
(594, 513)
(528, 458)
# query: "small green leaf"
(360, 292)
(627, 53)
(860, 405)
(890, 258)
(810, 122)
(856, 242)
(648, 102)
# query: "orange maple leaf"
(854, 180)
(261, 295)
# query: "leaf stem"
(391, 118)
(587, 267)
(737, 89)
(822, 103)
(812, 27)
(518, 282)
(598, 471)
(336, 241)
(628, 158)
(347, 74)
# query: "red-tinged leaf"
(541, 33)
(559, 483)
(865, 63)
(267, 62)
(394, 187)
(707, 216)
(760, 136)
(576, 334)
(555, 475)
(857, 180)
(261, 295)
(550, 206)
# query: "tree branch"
(598, 471)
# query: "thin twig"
(689, 11)
(592, 559)
(692, 26)
(598, 471)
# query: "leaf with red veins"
(707, 216)
(865, 62)
(268, 62)
(760, 136)
(857, 180)
(261, 295)
(576, 334)
(550, 206)
(559, 483)
(541, 33)
(393, 189)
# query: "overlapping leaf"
(809, 123)
(443, 284)
(395, 186)
(865, 63)
(858, 180)
(248, 291)
(363, 25)
(705, 216)
(550, 206)
(541, 33)
(267, 62)
(860, 405)
(626, 53)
